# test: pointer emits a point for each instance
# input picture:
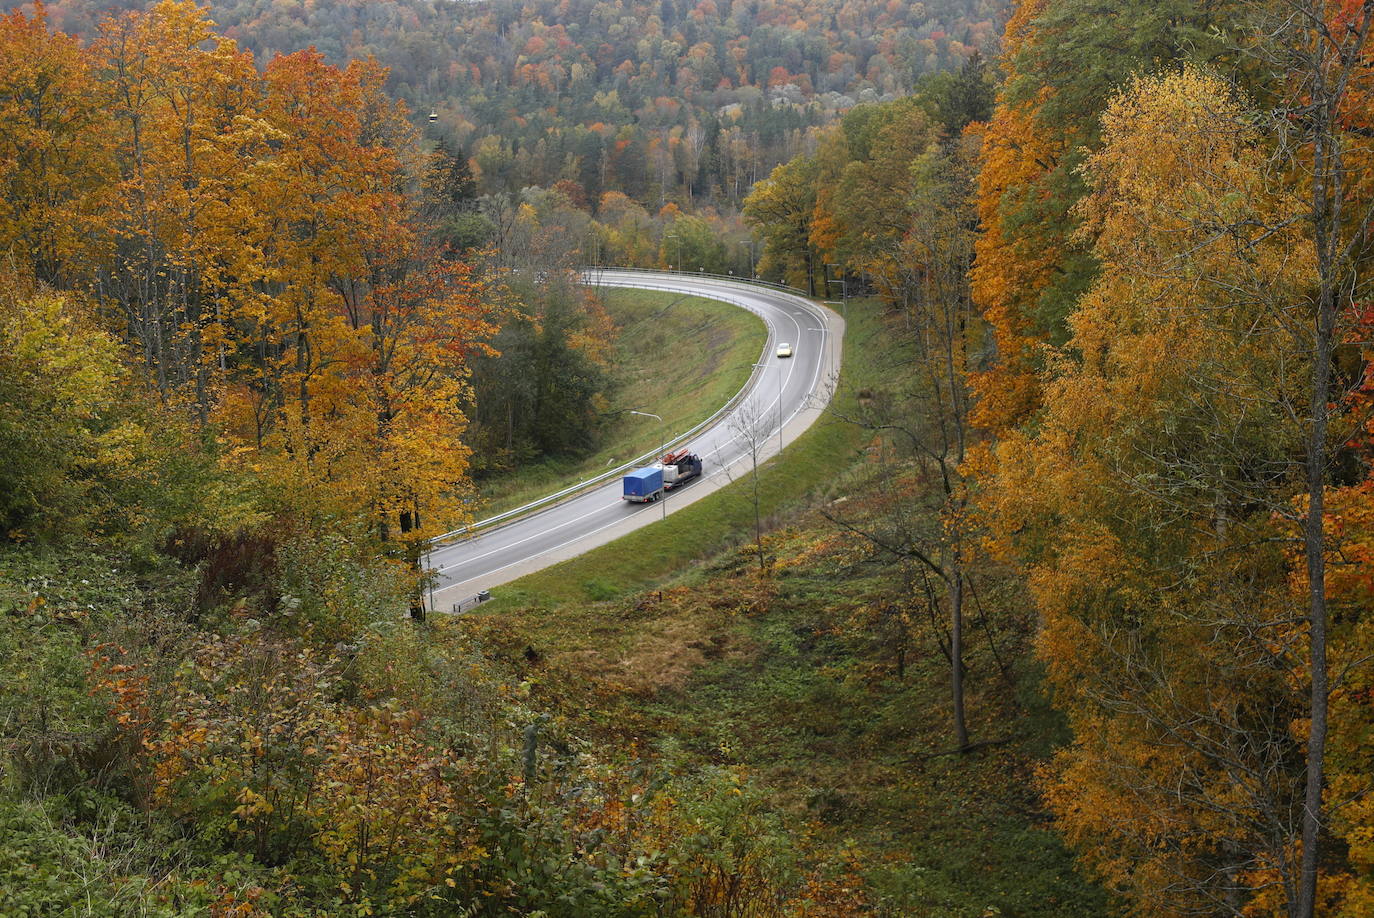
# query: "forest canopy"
(663, 100)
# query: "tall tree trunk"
(956, 651)
(1314, 539)
(410, 521)
(1325, 217)
(1332, 62)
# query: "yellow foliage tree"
(1149, 509)
(55, 163)
(1008, 276)
(255, 237)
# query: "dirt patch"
(661, 656)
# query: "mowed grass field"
(679, 357)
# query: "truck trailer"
(643, 485)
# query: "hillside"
(1062, 608)
(659, 99)
(712, 350)
(1142, 285)
(808, 664)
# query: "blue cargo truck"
(644, 485)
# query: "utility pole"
(664, 432)
(678, 240)
(765, 366)
(844, 288)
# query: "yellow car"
(784, 350)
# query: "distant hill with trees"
(663, 100)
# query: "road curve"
(792, 392)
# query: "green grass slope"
(679, 357)
(807, 466)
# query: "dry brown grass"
(657, 640)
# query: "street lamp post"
(678, 240)
(844, 289)
(825, 339)
(664, 432)
(765, 366)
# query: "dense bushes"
(291, 745)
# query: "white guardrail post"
(440, 540)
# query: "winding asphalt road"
(787, 392)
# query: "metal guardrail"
(471, 602)
(737, 278)
(440, 541)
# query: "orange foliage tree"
(257, 238)
(1062, 60)
(54, 159)
(1152, 509)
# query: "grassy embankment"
(808, 464)
(680, 357)
(670, 640)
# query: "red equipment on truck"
(680, 467)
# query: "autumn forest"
(1062, 608)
